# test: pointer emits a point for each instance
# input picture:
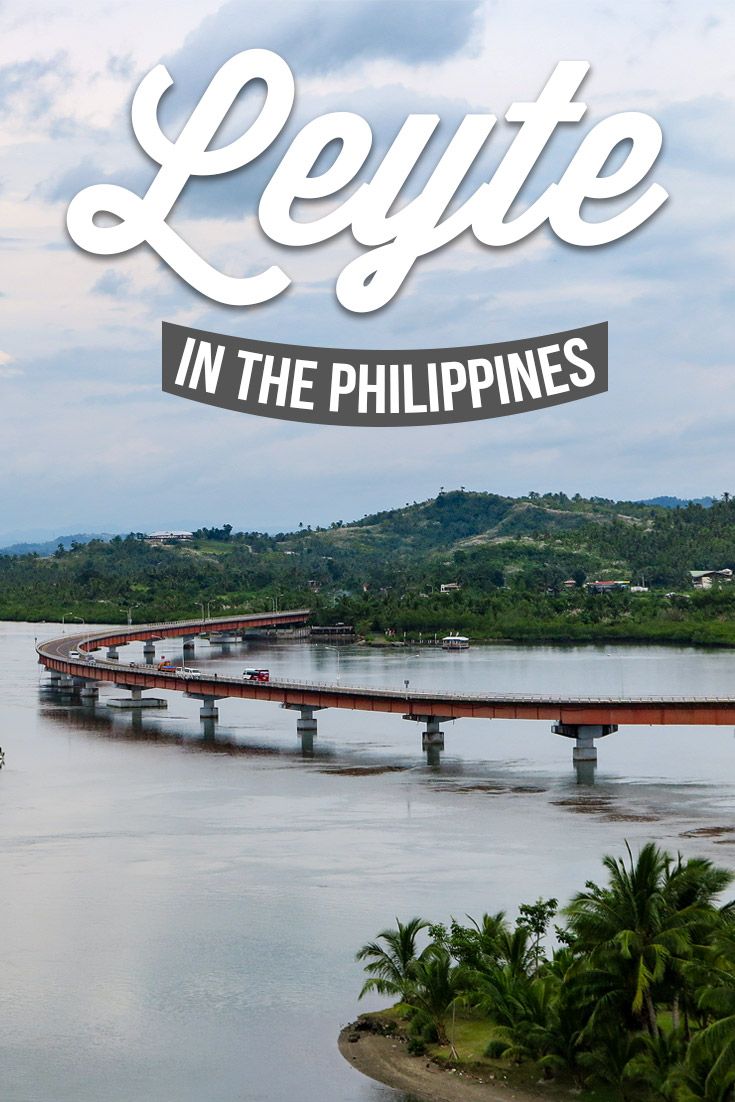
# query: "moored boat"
(455, 642)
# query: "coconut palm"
(477, 944)
(604, 1065)
(391, 964)
(713, 1046)
(641, 927)
(656, 1063)
(436, 987)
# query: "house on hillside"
(705, 579)
(606, 586)
(450, 587)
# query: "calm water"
(179, 921)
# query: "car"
(75, 654)
(187, 671)
(256, 675)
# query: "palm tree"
(478, 944)
(641, 927)
(392, 964)
(437, 986)
(691, 890)
(605, 1064)
(713, 1046)
(656, 1064)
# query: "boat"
(455, 642)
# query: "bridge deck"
(55, 655)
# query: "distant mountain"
(677, 502)
(48, 547)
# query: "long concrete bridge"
(75, 668)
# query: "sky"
(90, 443)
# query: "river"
(179, 919)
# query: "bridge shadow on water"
(136, 727)
(613, 800)
(443, 772)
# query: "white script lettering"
(393, 241)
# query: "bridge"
(71, 662)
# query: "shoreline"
(558, 642)
(384, 1059)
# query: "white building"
(705, 579)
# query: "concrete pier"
(89, 692)
(209, 729)
(584, 751)
(306, 730)
(112, 655)
(149, 649)
(60, 682)
(432, 738)
(189, 646)
(208, 709)
(136, 701)
(306, 725)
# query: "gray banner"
(359, 386)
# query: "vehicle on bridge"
(166, 667)
(256, 675)
(187, 671)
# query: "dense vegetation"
(637, 998)
(510, 557)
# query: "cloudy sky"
(89, 443)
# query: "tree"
(392, 964)
(714, 1046)
(436, 986)
(535, 917)
(656, 1063)
(639, 928)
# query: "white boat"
(455, 642)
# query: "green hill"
(520, 565)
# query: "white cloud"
(86, 330)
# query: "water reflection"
(134, 726)
(181, 905)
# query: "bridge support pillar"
(305, 724)
(112, 654)
(208, 710)
(432, 738)
(89, 692)
(136, 701)
(54, 681)
(149, 650)
(584, 751)
(188, 646)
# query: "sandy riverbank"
(386, 1060)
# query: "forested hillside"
(513, 559)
